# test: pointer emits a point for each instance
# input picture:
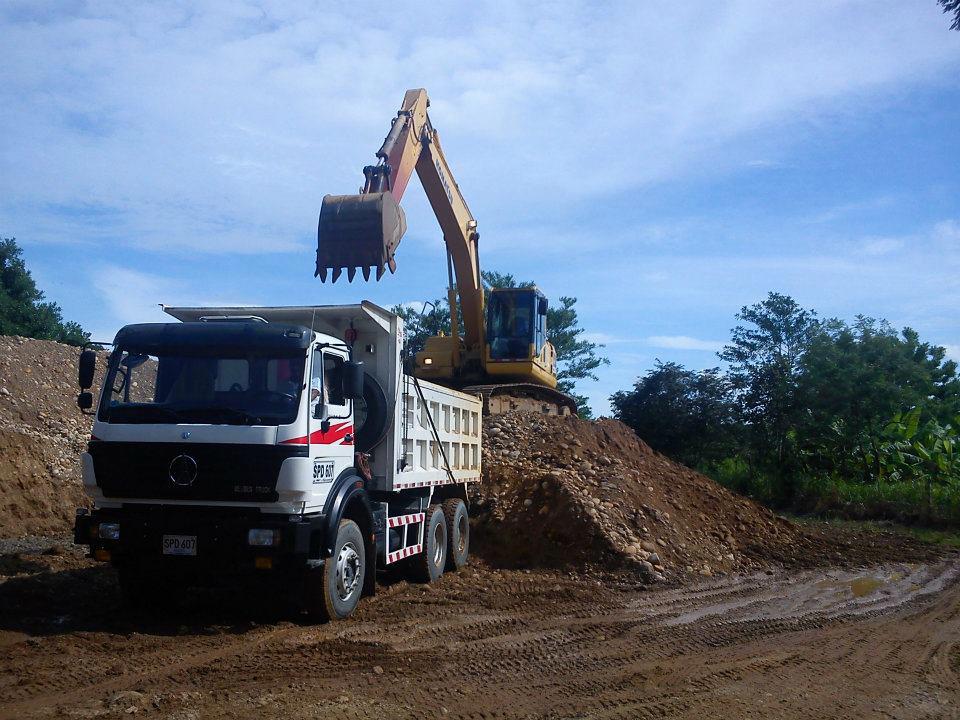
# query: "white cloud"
(601, 338)
(684, 342)
(880, 246)
(132, 296)
(953, 352)
(948, 233)
(219, 128)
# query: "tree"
(23, 310)
(494, 279)
(432, 319)
(765, 355)
(686, 415)
(952, 6)
(577, 358)
(855, 378)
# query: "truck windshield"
(177, 388)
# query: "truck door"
(331, 416)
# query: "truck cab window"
(326, 384)
(333, 372)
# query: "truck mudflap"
(200, 543)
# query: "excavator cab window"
(541, 323)
(513, 324)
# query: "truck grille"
(190, 471)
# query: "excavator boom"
(363, 231)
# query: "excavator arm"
(363, 231)
(507, 359)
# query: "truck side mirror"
(353, 380)
(87, 366)
(542, 306)
(85, 400)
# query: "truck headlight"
(109, 531)
(260, 537)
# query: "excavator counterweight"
(358, 231)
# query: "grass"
(903, 502)
(947, 538)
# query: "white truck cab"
(285, 442)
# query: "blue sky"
(665, 163)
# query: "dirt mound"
(42, 433)
(38, 493)
(568, 492)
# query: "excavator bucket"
(358, 231)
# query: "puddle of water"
(863, 586)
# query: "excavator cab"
(517, 335)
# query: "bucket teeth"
(358, 232)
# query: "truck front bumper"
(221, 544)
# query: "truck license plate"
(179, 544)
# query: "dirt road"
(883, 642)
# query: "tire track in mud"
(165, 662)
(540, 646)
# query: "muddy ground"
(488, 643)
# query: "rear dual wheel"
(458, 533)
(446, 543)
(428, 565)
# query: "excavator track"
(504, 398)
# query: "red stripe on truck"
(318, 437)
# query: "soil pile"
(42, 433)
(561, 491)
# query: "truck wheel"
(334, 590)
(458, 533)
(428, 565)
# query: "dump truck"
(279, 444)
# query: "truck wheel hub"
(348, 571)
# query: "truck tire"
(458, 533)
(428, 565)
(375, 424)
(333, 591)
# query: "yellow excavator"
(503, 354)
